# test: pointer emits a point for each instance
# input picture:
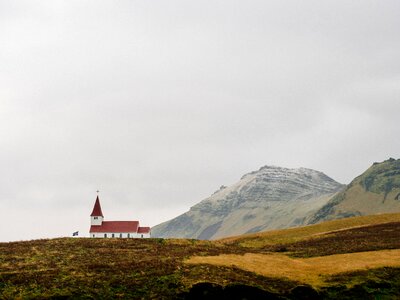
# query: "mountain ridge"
(268, 198)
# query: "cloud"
(157, 104)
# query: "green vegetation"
(157, 268)
(381, 177)
(380, 283)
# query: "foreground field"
(325, 261)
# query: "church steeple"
(97, 209)
(96, 217)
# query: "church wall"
(145, 235)
(117, 235)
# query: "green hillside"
(381, 178)
(231, 268)
(375, 191)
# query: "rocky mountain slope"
(377, 190)
(272, 197)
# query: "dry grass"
(291, 235)
(312, 271)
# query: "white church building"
(114, 229)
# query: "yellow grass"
(307, 270)
(291, 235)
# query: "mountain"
(272, 197)
(377, 190)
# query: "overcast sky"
(158, 103)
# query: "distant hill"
(377, 190)
(270, 198)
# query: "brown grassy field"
(331, 257)
(358, 239)
(108, 267)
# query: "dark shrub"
(304, 292)
(205, 290)
(241, 292)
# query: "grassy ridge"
(358, 239)
(291, 235)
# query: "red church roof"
(116, 226)
(143, 230)
(97, 209)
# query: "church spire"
(97, 209)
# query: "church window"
(120, 235)
(142, 235)
(93, 235)
(129, 235)
(95, 218)
(105, 235)
(112, 235)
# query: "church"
(114, 229)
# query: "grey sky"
(158, 103)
